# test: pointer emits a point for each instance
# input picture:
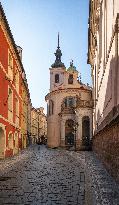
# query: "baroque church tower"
(64, 113)
(57, 70)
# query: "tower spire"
(58, 63)
(58, 41)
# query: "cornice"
(67, 90)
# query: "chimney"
(20, 52)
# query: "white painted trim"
(7, 76)
(13, 124)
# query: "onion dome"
(72, 67)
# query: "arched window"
(51, 107)
(70, 80)
(56, 78)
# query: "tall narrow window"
(51, 107)
(16, 79)
(10, 141)
(57, 78)
(10, 104)
(70, 80)
(10, 66)
(86, 130)
(10, 100)
(17, 112)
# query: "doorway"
(69, 133)
(85, 131)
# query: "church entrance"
(2, 142)
(69, 135)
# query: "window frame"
(10, 65)
(70, 79)
(57, 78)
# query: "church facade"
(69, 107)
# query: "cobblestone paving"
(104, 189)
(42, 176)
(55, 177)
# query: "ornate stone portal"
(69, 107)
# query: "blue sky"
(35, 25)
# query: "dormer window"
(57, 78)
(70, 80)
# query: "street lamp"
(75, 127)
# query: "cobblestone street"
(54, 176)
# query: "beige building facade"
(38, 125)
(103, 52)
(34, 125)
(42, 128)
(69, 107)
